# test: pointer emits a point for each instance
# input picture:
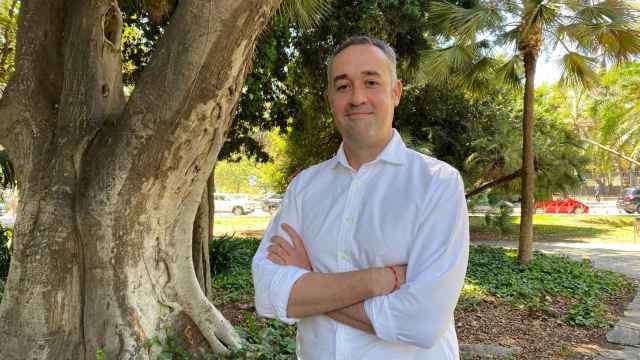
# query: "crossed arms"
(340, 296)
(418, 313)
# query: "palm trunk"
(525, 244)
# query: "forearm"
(319, 293)
(353, 316)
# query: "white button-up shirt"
(401, 208)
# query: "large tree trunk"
(525, 245)
(103, 254)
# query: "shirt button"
(357, 183)
(348, 220)
(343, 256)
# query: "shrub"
(228, 253)
(498, 219)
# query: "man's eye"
(342, 87)
(372, 83)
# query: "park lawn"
(566, 302)
(246, 225)
(562, 228)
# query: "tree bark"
(103, 256)
(525, 244)
(200, 246)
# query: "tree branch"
(610, 150)
(499, 181)
(493, 183)
(182, 105)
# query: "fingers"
(284, 244)
(295, 237)
(279, 250)
(276, 258)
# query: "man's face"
(363, 96)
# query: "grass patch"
(566, 228)
(563, 228)
(553, 286)
(254, 225)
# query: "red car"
(565, 206)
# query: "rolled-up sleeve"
(421, 311)
(273, 282)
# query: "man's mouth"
(359, 113)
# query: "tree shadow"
(617, 222)
(558, 233)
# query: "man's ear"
(397, 92)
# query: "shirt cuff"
(377, 309)
(281, 286)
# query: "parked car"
(238, 204)
(481, 204)
(563, 206)
(271, 203)
(629, 200)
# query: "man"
(369, 250)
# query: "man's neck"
(360, 154)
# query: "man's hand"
(282, 253)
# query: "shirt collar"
(393, 153)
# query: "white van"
(238, 204)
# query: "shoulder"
(432, 169)
(306, 177)
(441, 184)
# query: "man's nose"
(358, 95)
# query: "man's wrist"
(382, 281)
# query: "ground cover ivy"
(497, 272)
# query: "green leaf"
(577, 70)
(307, 13)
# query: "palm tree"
(588, 32)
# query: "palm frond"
(478, 76)
(609, 26)
(307, 13)
(540, 15)
(619, 45)
(509, 38)
(604, 11)
(578, 34)
(451, 20)
(457, 61)
(510, 73)
(577, 70)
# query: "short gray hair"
(365, 40)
